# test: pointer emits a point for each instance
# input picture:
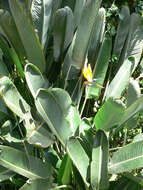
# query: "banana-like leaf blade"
(127, 158)
(65, 171)
(34, 79)
(133, 109)
(41, 11)
(12, 97)
(28, 166)
(63, 31)
(76, 55)
(79, 158)
(25, 28)
(122, 31)
(54, 105)
(97, 36)
(9, 28)
(98, 167)
(101, 67)
(109, 115)
(120, 81)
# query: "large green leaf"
(12, 98)
(41, 14)
(79, 157)
(98, 167)
(42, 184)
(134, 41)
(41, 136)
(9, 28)
(127, 158)
(54, 105)
(122, 31)
(65, 171)
(76, 55)
(10, 54)
(25, 28)
(32, 74)
(109, 115)
(26, 165)
(76, 6)
(97, 36)
(63, 31)
(134, 91)
(101, 67)
(5, 173)
(120, 81)
(133, 109)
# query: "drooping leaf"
(127, 158)
(12, 97)
(63, 31)
(120, 81)
(28, 166)
(25, 28)
(53, 105)
(109, 115)
(79, 158)
(76, 55)
(41, 11)
(98, 167)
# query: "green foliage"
(57, 130)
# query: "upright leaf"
(98, 167)
(41, 11)
(134, 42)
(77, 52)
(101, 67)
(9, 28)
(65, 172)
(79, 158)
(133, 92)
(63, 31)
(97, 36)
(122, 31)
(109, 115)
(127, 158)
(25, 28)
(120, 81)
(17, 161)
